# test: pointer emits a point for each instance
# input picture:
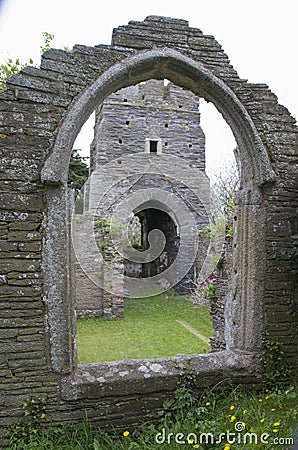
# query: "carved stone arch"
(244, 306)
(49, 105)
(181, 70)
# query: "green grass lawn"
(148, 330)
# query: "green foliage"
(229, 231)
(108, 226)
(290, 257)
(47, 39)
(149, 329)
(34, 413)
(213, 230)
(106, 229)
(214, 411)
(184, 400)
(12, 67)
(67, 437)
(219, 410)
(102, 245)
(78, 171)
(104, 223)
(137, 245)
(276, 371)
(209, 292)
(229, 207)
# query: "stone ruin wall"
(221, 282)
(37, 358)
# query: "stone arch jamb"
(244, 305)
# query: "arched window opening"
(246, 136)
(143, 221)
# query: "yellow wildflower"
(276, 424)
(244, 411)
(262, 420)
(275, 430)
(251, 430)
(196, 446)
(125, 433)
(233, 418)
(208, 404)
(260, 400)
(232, 408)
(267, 396)
(273, 409)
(227, 447)
(190, 441)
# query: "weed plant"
(188, 421)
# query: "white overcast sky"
(260, 37)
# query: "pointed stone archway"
(244, 306)
(42, 112)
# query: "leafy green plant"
(209, 292)
(108, 226)
(229, 207)
(289, 255)
(12, 67)
(137, 245)
(214, 229)
(292, 256)
(205, 290)
(78, 172)
(184, 400)
(102, 245)
(267, 413)
(229, 231)
(276, 371)
(34, 415)
(47, 39)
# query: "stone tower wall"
(150, 110)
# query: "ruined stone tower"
(152, 117)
